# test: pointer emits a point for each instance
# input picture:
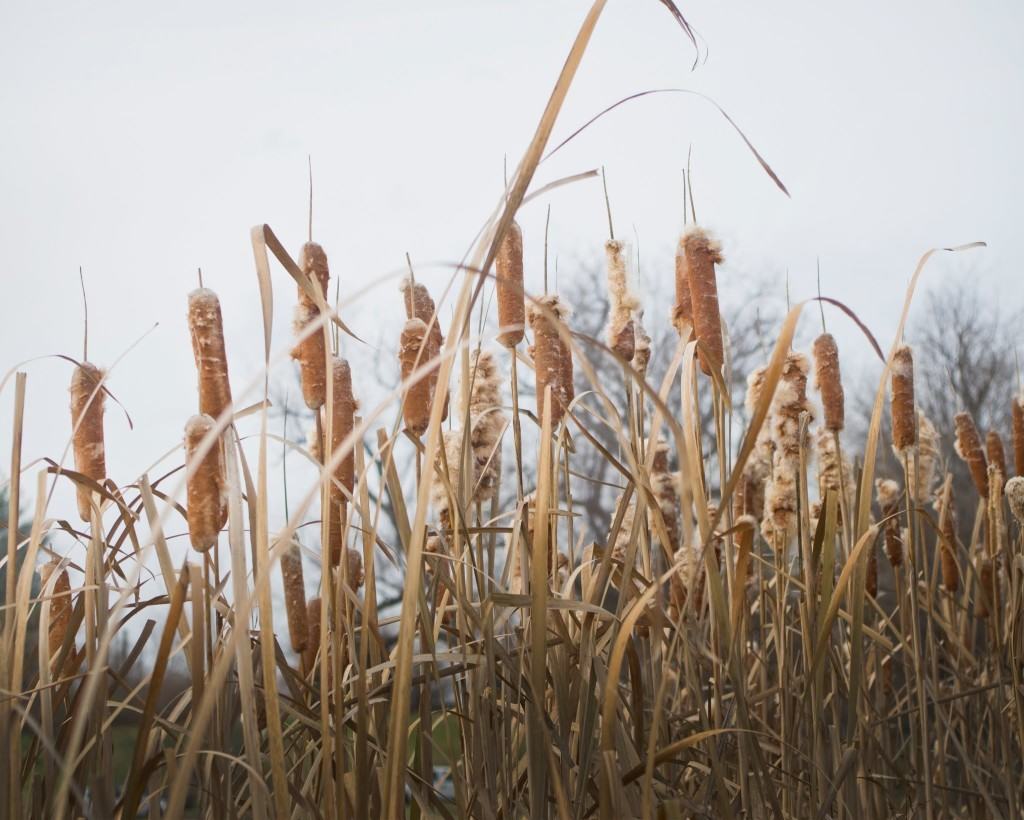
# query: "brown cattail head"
(948, 542)
(641, 346)
(834, 472)
(87, 399)
(682, 310)
(986, 602)
(295, 597)
(996, 456)
(342, 422)
(1018, 434)
(871, 574)
(311, 352)
(60, 605)
(509, 287)
(701, 254)
(419, 305)
(887, 492)
(207, 330)
(552, 355)
(313, 634)
(968, 447)
(622, 303)
(1015, 498)
(354, 568)
(904, 414)
(313, 262)
(207, 493)
(828, 382)
(419, 396)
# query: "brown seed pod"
(1018, 435)
(996, 456)
(682, 310)
(419, 305)
(968, 447)
(828, 382)
(887, 492)
(295, 597)
(354, 568)
(622, 303)
(986, 602)
(871, 574)
(904, 415)
(702, 254)
(59, 604)
(948, 541)
(313, 634)
(342, 422)
(509, 287)
(206, 328)
(419, 396)
(552, 356)
(311, 352)
(207, 494)
(87, 399)
(313, 261)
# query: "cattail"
(509, 287)
(486, 423)
(419, 305)
(1015, 497)
(1018, 434)
(968, 447)
(996, 457)
(887, 492)
(207, 330)
(871, 573)
(295, 597)
(450, 454)
(622, 302)
(922, 480)
(354, 568)
(552, 355)
(342, 422)
(312, 635)
(904, 415)
(701, 254)
(207, 493)
(986, 602)
(419, 396)
(60, 605)
(623, 537)
(750, 495)
(87, 398)
(828, 382)
(788, 406)
(948, 542)
(833, 471)
(687, 577)
(664, 488)
(311, 352)
(641, 346)
(682, 311)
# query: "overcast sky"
(143, 141)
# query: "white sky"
(142, 141)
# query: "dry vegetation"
(771, 636)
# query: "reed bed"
(730, 646)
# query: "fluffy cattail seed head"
(486, 424)
(968, 447)
(622, 302)
(701, 254)
(828, 382)
(206, 328)
(419, 396)
(509, 287)
(207, 493)
(922, 481)
(87, 398)
(641, 346)
(948, 542)
(1015, 497)
(904, 414)
(60, 605)
(295, 597)
(552, 355)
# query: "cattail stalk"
(419, 396)
(509, 287)
(87, 399)
(295, 597)
(206, 328)
(311, 352)
(622, 303)
(904, 414)
(342, 423)
(207, 493)
(552, 355)
(827, 380)
(968, 447)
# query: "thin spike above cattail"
(996, 457)
(87, 400)
(702, 254)
(295, 597)
(904, 414)
(342, 423)
(418, 396)
(827, 380)
(311, 352)
(207, 493)
(622, 302)
(968, 447)
(206, 327)
(509, 287)
(1018, 434)
(552, 355)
